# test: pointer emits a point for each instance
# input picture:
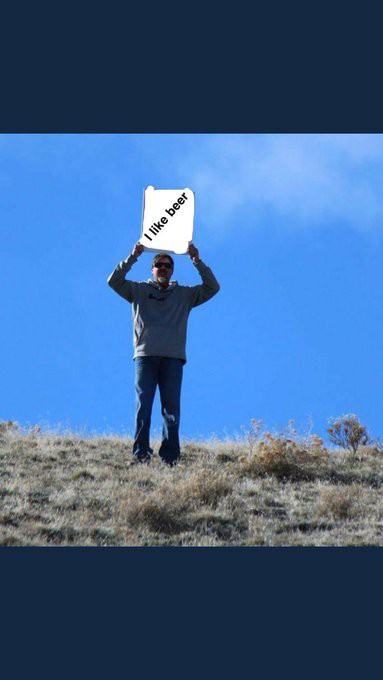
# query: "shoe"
(170, 463)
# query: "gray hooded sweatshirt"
(159, 314)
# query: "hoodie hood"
(157, 286)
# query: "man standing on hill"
(160, 311)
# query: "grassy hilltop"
(267, 490)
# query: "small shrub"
(346, 431)
(283, 458)
(7, 426)
(204, 488)
(340, 503)
(156, 515)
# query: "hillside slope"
(73, 491)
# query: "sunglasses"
(159, 265)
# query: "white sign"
(167, 220)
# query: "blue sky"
(292, 227)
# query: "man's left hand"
(193, 253)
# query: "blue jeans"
(167, 374)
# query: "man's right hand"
(138, 249)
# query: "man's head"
(162, 269)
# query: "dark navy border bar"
(229, 610)
(174, 69)
(277, 107)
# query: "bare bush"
(348, 432)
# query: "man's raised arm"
(117, 281)
(210, 285)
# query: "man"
(160, 311)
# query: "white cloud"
(297, 181)
(302, 180)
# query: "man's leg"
(145, 383)
(170, 380)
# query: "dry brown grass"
(272, 491)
